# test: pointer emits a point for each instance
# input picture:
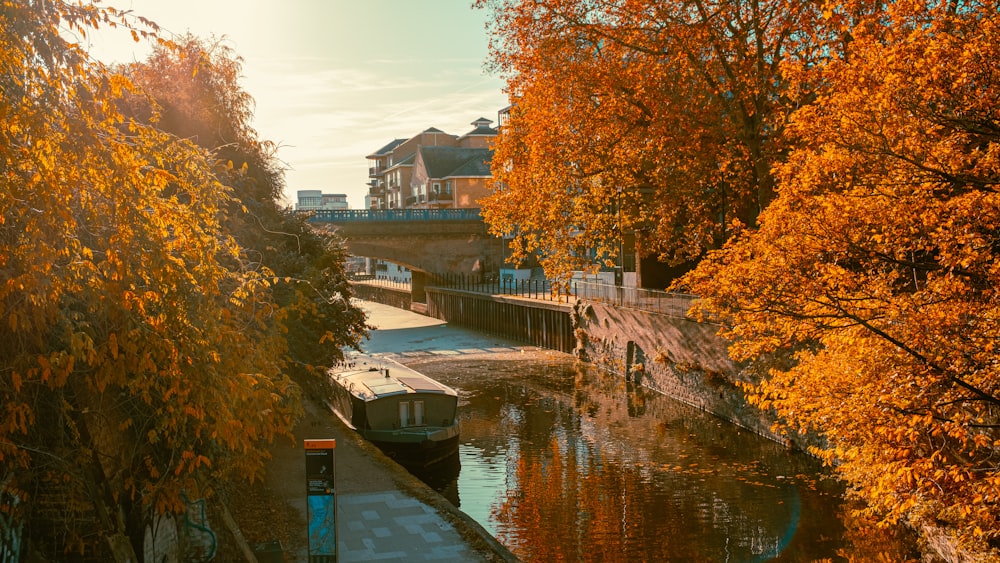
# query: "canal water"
(562, 461)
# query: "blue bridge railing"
(361, 215)
(667, 303)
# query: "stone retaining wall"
(681, 358)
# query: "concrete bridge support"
(418, 298)
(427, 247)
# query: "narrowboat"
(409, 416)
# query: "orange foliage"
(134, 355)
(877, 265)
(658, 117)
(848, 151)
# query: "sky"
(335, 80)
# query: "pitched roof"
(475, 166)
(442, 162)
(482, 127)
(387, 149)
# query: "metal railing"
(357, 215)
(649, 300)
(494, 285)
(382, 281)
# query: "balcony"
(439, 197)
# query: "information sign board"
(321, 500)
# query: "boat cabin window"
(414, 417)
(404, 414)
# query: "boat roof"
(372, 377)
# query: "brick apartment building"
(432, 170)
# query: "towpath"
(384, 513)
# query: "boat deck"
(372, 377)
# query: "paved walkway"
(383, 512)
(393, 526)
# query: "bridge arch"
(427, 241)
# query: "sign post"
(321, 502)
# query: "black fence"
(495, 285)
(651, 300)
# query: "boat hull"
(413, 452)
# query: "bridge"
(427, 241)
(383, 215)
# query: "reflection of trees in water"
(580, 499)
(601, 469)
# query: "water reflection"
(563, 462)
(442, 476)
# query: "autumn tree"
(191, 88)
(139, 356)
(875, 270)
(628, 115)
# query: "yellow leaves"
(18, 418)
(190, 462)
(12, 321)
(586, 129)
(113, 345)
(120, 267)
(193, 412)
